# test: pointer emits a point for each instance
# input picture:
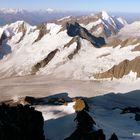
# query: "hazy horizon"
(78, 5)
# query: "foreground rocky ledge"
(20, 123)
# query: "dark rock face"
(98, 135)
(44, 62)
(135, 110)
(73, 29)
(42, 31)
(4, 49)
(20, 123)
(22, 29)
(137, 116)
(47, 100)
(84, 120)
(76, 30)
(131, 110)
(3, 37)
(84, 127)
(78, 47)
(114, 137)
(58, 99)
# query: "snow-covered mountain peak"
(18, 26)
(50, 10)
(100, 24)
(105, 15)
(18, 23)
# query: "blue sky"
(75, 5)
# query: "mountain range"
(93, 47)
(33, 17)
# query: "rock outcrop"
(59, 99)
(42, 31)
(78, 47)
(2, 38)
(23, 29)
(114, 137)
(20, 123)
(84, 122)
(114, 41)
(124, 68)
(77, 30)
(84, 127)
(134, 110)
(43, 62)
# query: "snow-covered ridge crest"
(14, 29)
(105, 15)
(99, 24)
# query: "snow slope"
(90, 61)
(58, 126)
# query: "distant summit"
(100, 24)
(50, 10)
(11, 11)
(105, 15)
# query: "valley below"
(41, 86)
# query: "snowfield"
(26, 46)
(59, 119)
